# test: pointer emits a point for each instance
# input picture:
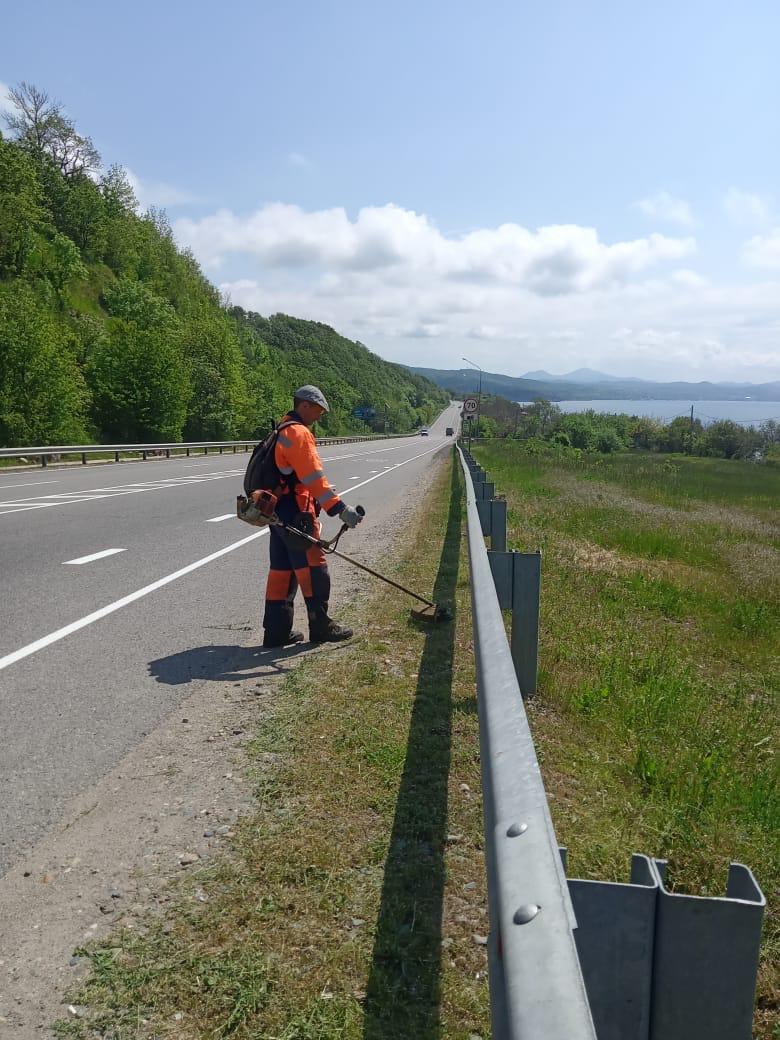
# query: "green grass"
(680, 480)
(656, 718)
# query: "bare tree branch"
(40, 124)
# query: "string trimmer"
(262, 514)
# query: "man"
(306, 491)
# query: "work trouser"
(293, 567)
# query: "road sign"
(469, 405)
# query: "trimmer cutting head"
(432, 614)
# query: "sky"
(532, 184)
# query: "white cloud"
(763, 250)
(406, 247)
(157, 193)
(298, 160)
(509, 297)
(663, 206)
(670, 329)
(747, 208)
(688, 279)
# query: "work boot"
(275, 641)
(329, 633)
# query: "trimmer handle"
(335, 541)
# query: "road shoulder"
(171, 804)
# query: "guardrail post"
(43, 461)
(83, 458)
(167, 453)
(188, 452)
(206, 451)
(143, 453)
(526, 585)
(615, 939)
(498, 524)
(483, 511)
(116, 456)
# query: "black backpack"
(262, 473)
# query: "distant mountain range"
(585, 384)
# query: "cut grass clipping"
(353, 904)
(656, 717)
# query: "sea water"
(744, 412)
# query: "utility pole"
(691, 418)
(479, 392)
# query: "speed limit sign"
(469, 406)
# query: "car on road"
(424, 431)
(450, 432)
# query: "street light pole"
(479, 392)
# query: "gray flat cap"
(313, 394)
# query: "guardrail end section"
(706, 960)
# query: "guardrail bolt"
(525, 913)
(516, 830)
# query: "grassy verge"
(353, 904)
(656, 720)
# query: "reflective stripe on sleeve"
(284, 440)
(326, 496)
(312, 477)
(287, 470)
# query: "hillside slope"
(109, 332)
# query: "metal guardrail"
(649, 963)
(47, 452)
(537, 990)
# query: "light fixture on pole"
(479, 392)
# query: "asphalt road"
(120, 585)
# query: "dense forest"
(109, 332)
(593, 431)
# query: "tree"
(83, 216)
(219, 402)
(63, 262)
(42, 394)
(139, 385)
(134, 301)
(121, 248)
(41, 126)
(21, 209)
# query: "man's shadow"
(225, 663)
(403, 992)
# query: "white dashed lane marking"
(94, 556)
(219, 519)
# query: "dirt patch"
(590, 557)
(595, 493)
(169, 804)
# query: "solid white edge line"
(111, 608)
(219, 519)
(96, 615)
(94, 556)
